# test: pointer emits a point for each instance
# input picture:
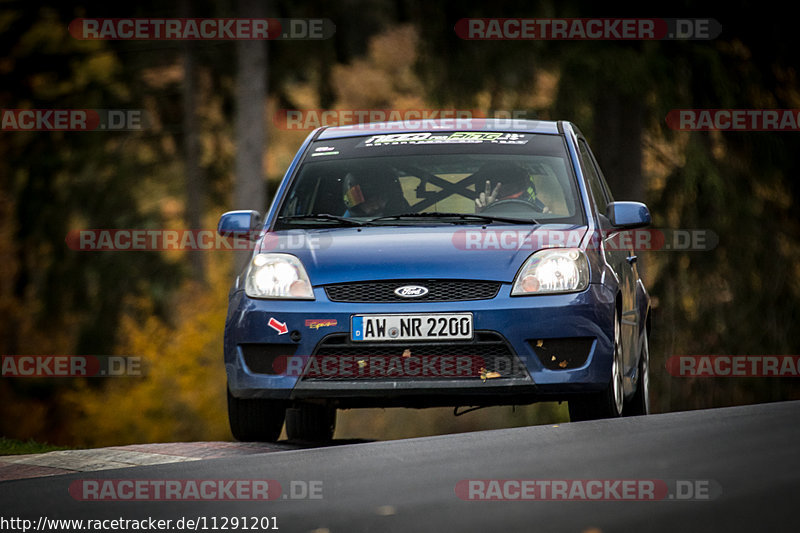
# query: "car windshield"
(433, 178)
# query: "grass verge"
(18, 447)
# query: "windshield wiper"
(459, 216)
(324, 217)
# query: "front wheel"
(610, 402)
(258, 420)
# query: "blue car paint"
(583, 314)
(368, 254)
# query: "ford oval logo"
(411, 291)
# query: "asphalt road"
(742, 465)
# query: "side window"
(593, 178)
(609, 196)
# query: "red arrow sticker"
(278, 326)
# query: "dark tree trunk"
(617, 143)
(250, 190)
(195, 183)
(251, 139)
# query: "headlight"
(277, 276)
(552, 270)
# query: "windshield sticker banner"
(471, 137)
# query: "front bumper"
(526, 325)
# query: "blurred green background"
(181, 171)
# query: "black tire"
(255, 420)
(609, 403)
(639, 404)
(310, 422)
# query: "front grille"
(488, 356)
(439, 290)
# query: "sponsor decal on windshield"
(459, 137)
(325, 150)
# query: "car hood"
(494, 252)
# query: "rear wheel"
(310, 422)
(255, 419)
(610, 402)
(639, 404)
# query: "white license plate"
(427, 327)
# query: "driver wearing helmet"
(511, 183)
(372, 191)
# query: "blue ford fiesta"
(458, 264)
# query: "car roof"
(446, 124)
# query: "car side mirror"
(240, 224)
(628, 215)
